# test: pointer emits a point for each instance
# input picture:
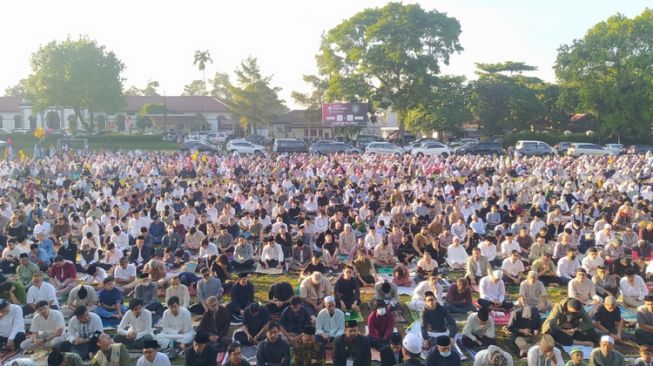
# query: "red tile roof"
(10, 104)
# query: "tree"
(18, 121)
(507, 102)
(78, 74)
(611, 69)
(201, 58)
(253, 101)
(221, 87)
(17, 90)
(143, 118)
(72, 124)
(389, 55)
(446, 109)
(101, 122)
(120, 122)
(196, 87)
(314, 99)
(53, 120)
(148, 91)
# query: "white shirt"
(535, 354)
(12, 323)
(456, 255)
(490, 290)
(637, 289)
(513, 268)
(160, 360)
(424, 287)
(173, 324)
(125, 273)
(84, 330)
(567, 268)
(142, 325)
(272, 252)
(121, 241)
(489, 251)
(590, 264)
(508, 246)
(321, 224)
(211, 249)
(49, 325)
(45, 292)
(536, 226)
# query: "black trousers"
(567, 340)
(644, 337)
(485, 342)
(20, 337)
(547, 280)
(81, 349)
(487, 304)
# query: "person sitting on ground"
(56, 358)
(47, 328)
(136, 326)
(180, 290)
(479, 330)
(301, 254)
(243, 255)
(63, 276)
(493, 356)
(425, 266)
(294, 319)
(315, 265)
(12, 326)
(567, 267)
(234, 357)
(147, 291)
(12, 291)
(436, 321)
(570, 324)
(351, 347)
(645, 356)
(215, 322)
(273, 350)
(513, 268)
(384, 254)
(177, 327)
(492, 293)
(330, 322)
(40, 291)
(313, 290)
(456, 255)
(255, 319)
(387, 291)
(633, 289)
(347, 291)
(606, 355)
(365, 272)
(381, 324)
(441, 354)
(26, 270)
(110, 307)
(592, 262)
(206, 287)
(202, 354)
(608, 321)
(584, 290)
(307, 351)
(546, 270)
(242, 295)
(140, 254)
(577, 357)
(545, 353)
(533, 293)
(81, 328)
(418, 299)
(605, 283)
(524, 326)
(279, 297)
(391, 354)
(477, 266)
(124, 273)
(107, 350)
(459, 298)
(152, 356)
(271, 255)
(80, 295)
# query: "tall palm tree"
(201, 59)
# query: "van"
(289, 146)
(521, 143)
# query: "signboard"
(344, 114)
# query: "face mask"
(381, 311)
(445, 354)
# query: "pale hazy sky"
(156, 39)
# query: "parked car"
(244, 147)
(578, 149)
(619, 148)
(385, 148)
(199, 145)
(482, 148)
(432, 148)
(257, 139)
(363, 140)
(523, 143)
(562, 147)
(419, 142)
(536, 150)
(287, 146)
(324, 147)
(640, 149)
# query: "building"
(182, 113)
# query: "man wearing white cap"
(492, 292)
(330, 321)
(605, 355)
(412, 349)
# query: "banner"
(344, 114)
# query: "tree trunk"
(401, 118)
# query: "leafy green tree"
(611, 69)
(200, 59)
(254, 102)
(120, 122)
(445, 110)
(76, 73)
(196, 87)
(143, 120)
(53, 120)
(150, 90)
(72, 124)
(389, 55)
(17, 90)
(314, 99)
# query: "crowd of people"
(95, 242)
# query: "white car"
(244, 147)
(619, 148)
(581, 148)
(384, 148)
(432, 148)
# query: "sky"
(156, 40)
